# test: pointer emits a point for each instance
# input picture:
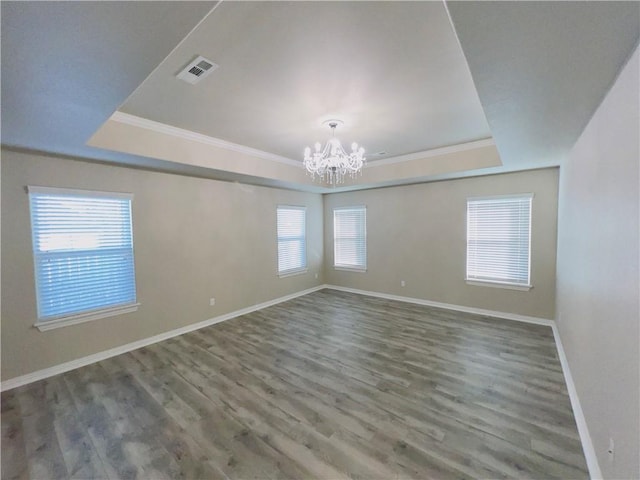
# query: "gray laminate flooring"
(329, 385)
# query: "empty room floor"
(328, 385)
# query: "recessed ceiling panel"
(392, 71)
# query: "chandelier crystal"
(332, 163)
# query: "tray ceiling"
(446, 90)
(394, 72)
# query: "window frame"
(497, 283)
(44, 323)
(296, 270)
(344, 267)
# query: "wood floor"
(329, 385)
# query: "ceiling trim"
(163, 128)
(134, 120)
(434, 152)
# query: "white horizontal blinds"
(292, 242)
(498, 239)
(350, 237)
(83, 251)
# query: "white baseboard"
(585, 438)
(581, 422)
(448, 306)
(112, 352)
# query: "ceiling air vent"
(197, 69)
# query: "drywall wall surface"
(193, 239)
(417, 234)
(598, 287)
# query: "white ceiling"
(405, 81)
(394, 72)
(542, 68)
(67, 66)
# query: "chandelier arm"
(332, 162)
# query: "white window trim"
(501, 197)
(78, 192)
(348, 268)
(86, 317)
(493, 283)
(293, 271)
(83, 317)
(507, 285)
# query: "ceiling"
(445, 90)
(393, 72)
(542, 68)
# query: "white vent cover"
(197, 70)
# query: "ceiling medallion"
(332, 163)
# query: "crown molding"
(163, 128)
(435, 152)
(188, 135)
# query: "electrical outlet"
(611, 450)
(402, 283)
(212, 301)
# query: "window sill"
(508, 286)
(45, 325)
(349, 269)
(291, 273)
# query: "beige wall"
(220, 257)
(193, 239)
(417, 234)
(598, 274)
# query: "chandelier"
(332, 163)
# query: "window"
(499, 240)
(292, 240)
(350, 238)
(83, 255)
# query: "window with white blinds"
(350, 238)
(292, 240)
(499, 239)
(83, 252)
